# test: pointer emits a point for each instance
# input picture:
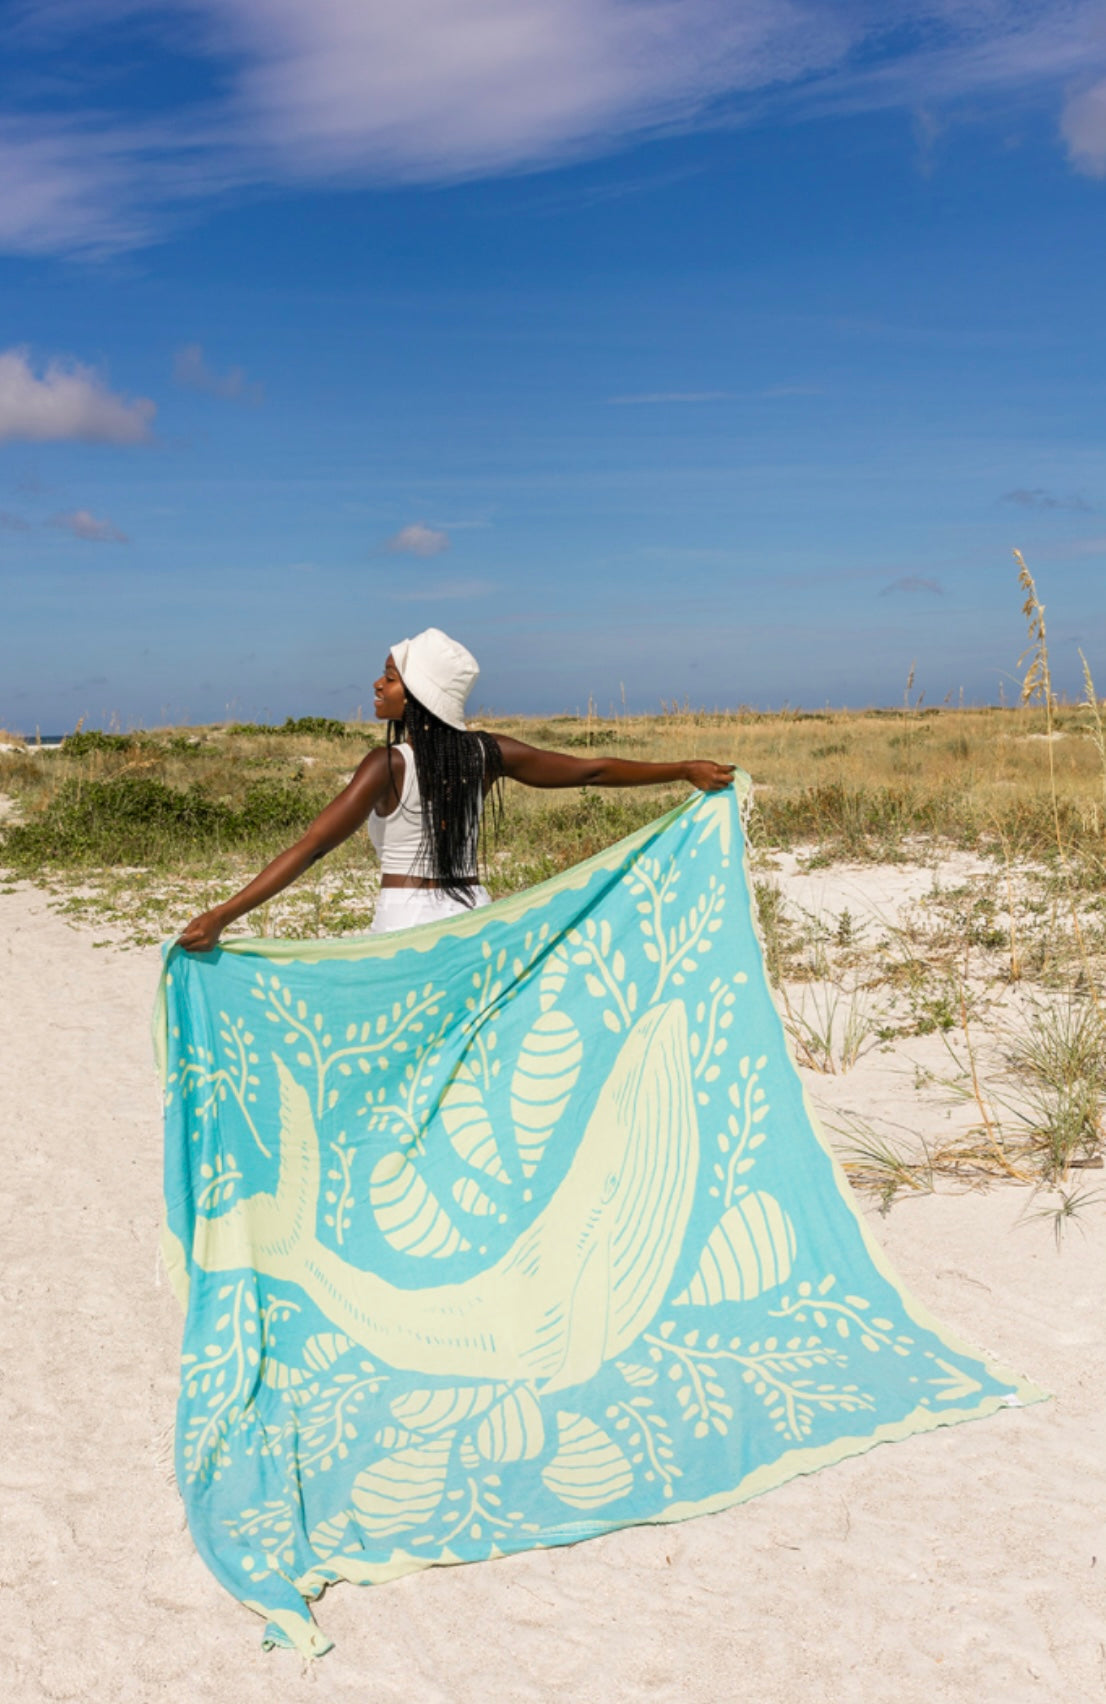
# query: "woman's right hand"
(202, 934)
(709, 777)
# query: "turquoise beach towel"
(508, 1230)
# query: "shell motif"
(432, 1411)
(409, 1215)
(324, 1348)
(403, 1489)
(750, 1250)
(393, 1437)
(544, 1077)
(471, 1198)
(468, 1126)
(513, 1430)
(335, 1534)
(588, 1469)
(319, 1352)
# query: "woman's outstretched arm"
(537, 768)
(341, 818)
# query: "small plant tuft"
(308, 727)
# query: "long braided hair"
(455, 770)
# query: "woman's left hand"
(709, 777)
(202, 934)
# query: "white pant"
(403, 908)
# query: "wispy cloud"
(30, 485)
(68, 401)
(13, 523)
(770, 394)
(911, 585)
(191, 369)
(418, 540)
(1083, 124)
(644, 398)
(76, 182)
(82, 523)
(1038, 498)
(366, 91)
(1078, 547)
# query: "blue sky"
(656, 348)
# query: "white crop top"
(398, 836)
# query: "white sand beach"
(965, 1566)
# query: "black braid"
(454, 770)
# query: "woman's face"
(389, 698)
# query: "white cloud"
(1084, 129)
(453, 87)
(418, 540)
(190, 368)
(69, 401)
(82, 523)
(439, 90)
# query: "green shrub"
(275, 808)
(135, 820)
(91, 739)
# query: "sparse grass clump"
(1060, 1062)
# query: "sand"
(965, 1565)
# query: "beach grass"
(860, 785)
(149, 824)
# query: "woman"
(422, 794)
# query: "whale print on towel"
(504, 1231)
(576, 1287)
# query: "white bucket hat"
(437, 671)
